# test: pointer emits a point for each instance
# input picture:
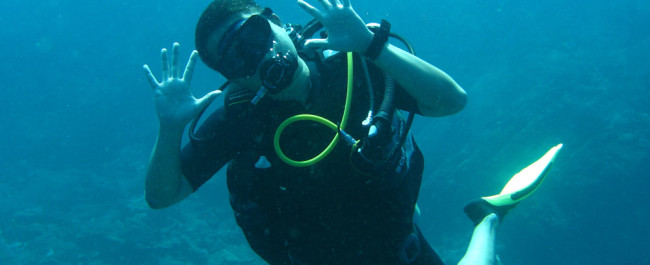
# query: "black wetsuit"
(327, 213)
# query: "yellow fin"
(524, 183)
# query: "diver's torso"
(327, 212)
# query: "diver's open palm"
(346, 30)
(175, 104)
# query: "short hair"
(213, 16)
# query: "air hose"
(318, 119)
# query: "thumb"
(317, 44)
(207, 99)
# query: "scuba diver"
(322, 167)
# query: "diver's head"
(247, 45)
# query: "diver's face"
(243, 43)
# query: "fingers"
(326, 4)
(175, 71)
(346, 3)
(165, 64)
(150, 77)
(172, 71)
(316, 44)
(337, 3)
(189, 68)
(311, 10)
(207, 99)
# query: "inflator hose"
(326, 122)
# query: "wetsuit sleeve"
(201, 159)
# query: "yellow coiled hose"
(326, 122)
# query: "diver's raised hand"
(346, 30)
(175, 104)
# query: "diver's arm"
(436, 92)
(175, 108)
(165, 184)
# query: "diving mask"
(243, 49)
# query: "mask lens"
(243, 50)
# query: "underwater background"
(78, 123)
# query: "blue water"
(78, 123)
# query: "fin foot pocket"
(478, 209)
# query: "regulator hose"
(318, 119)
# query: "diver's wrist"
(379, 41)
(171, 128)
(380, 54)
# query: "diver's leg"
(481, 247)
(488, 212)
